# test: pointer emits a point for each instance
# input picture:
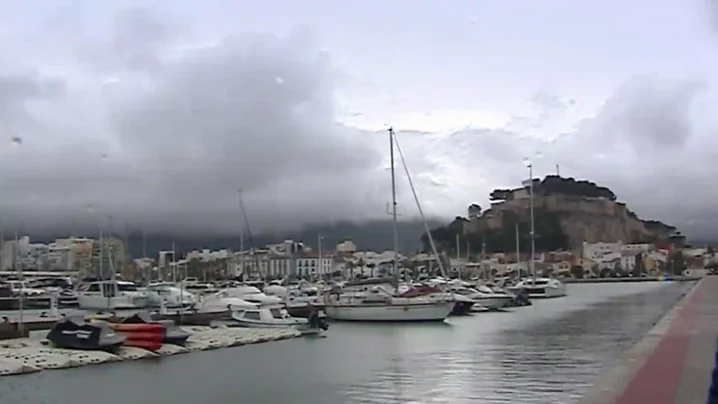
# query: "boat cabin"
(107, 288)
(164, 288)
(271, 316)
(5, 290)
(261, 315)
(52, 282)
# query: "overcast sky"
(156, 112)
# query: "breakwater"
(19, 356)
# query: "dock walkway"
(674, 363)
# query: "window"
(126, 287)
(108, 290)
(93, 288)
(276, 313)
(251, 315)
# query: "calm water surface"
(550, 352)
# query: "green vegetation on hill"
(553, 184)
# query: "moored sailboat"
(379, 304)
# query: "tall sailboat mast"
(418, 205)
(393, 209)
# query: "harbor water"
(550, 352)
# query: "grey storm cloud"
(161, 135)
(182, 131)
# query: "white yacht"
(483, 296)
(539, 288)
(251, 294)
(380, 305)
(299, 293)
(111, 295)
(170, 296)
(266, 317)
(22, 288)
(222, 301)
(491, 298)
(196, 287)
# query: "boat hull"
(540, 288)
(302, 310)
(493, 303)
(243, 324)
(113, 303)
(390, 312)
(545, 292)
(462, 308)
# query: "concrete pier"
(24, 355)
(673, 363)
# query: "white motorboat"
(22, 288)
(380, 305)
(303, 294)
(196, 287)
(540, 288)
(463, 296)
(266, 317)
(168, 295)
(276, 317)
(61, 287)
(251, 294)
(111, 295)
(222, 301)
(490, 298)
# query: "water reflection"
(546, 358)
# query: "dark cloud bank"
(161, 137)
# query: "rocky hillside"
(567, 212)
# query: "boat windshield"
(484, 289)
(252, 315)
(126, 287)
(463, 291)
(276, 313)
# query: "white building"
(206, 255)
(628, 260)
(12, 250)
(597, 251)
(310, 265)
(346, 247)
(22, 254)
(59, 256)
(165, 258)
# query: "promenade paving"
(674, 362)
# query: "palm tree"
(411, 266)
(350, 267)
(371, 266)
(361, 264)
